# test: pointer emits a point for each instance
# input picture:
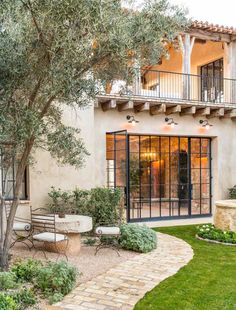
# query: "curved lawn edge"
(125, 284)
(208, 281)
(215, 241)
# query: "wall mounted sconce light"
(131, 120)
(205, 123)
(170, 122)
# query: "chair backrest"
(42, 221)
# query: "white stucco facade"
(95, 123)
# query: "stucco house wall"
(94, 123)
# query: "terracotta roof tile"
(213, 27)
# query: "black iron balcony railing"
(178, 86)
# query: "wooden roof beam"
(142, 107)
(210, 36)
(230, 114)
(108, 105)
(174, 109)
(158, 109)
(188, 111)
(129, 105)
(203, 111)
(217, 113)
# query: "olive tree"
(52, 52)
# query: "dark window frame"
(212, 85)
(191, 186)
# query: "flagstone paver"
(124, 285)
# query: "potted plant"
(61, 202)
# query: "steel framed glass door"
(117, 161)
(163, 177)
(212, 80)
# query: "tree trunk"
(5, 245)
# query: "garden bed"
(210, 233)
(87, 264)
(215, 241)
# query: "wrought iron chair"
(108, 237)
(44, 230)
(22, 229)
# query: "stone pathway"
(124, 285)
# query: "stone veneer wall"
(225, 215)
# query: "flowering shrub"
(209, 231)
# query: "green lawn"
(208, 282)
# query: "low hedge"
(209, 231)
(137, 238)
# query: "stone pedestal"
(72, 226)
(72, 247)
(225, 215)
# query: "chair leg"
(64, 252)
(104, 245)
(22, 239)
(37, 250)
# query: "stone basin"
(225, 214)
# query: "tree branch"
(40, 33)
(47, 106)
(90, 65)
(34, 92)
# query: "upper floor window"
(212, 81)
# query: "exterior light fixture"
(170, 122)
(131, 120)
(205, 123)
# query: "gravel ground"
(86, 262)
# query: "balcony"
(171, 92)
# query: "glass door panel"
(167, 176)
(212, 81)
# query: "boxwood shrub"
(137, 238)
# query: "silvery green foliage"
(139, 238)
(53, 51)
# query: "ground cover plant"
(28, 279)
(212, 233)
(137, 238)
(55, 280)
(207, 282)
(13, 295)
